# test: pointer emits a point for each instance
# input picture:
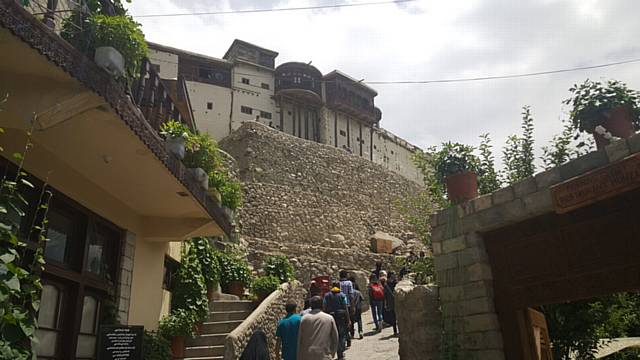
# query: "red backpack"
(377, 291)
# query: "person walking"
(336, 304)
(346, 287)
(318, 335)
(389, 305)
(356, 310)
(376, 298)
(287, 333)
(377, 270)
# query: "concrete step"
(219, 327)
(240, 305)
(207, 340)
(228, 315)
(203, 351)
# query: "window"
(209, 106)
(170, 269)
(88, 328)
(49, 326)
(245, 81)
(391, 152)
(343, 133)
(246, 110)
(265, 86)
(265, 115)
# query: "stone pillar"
(419, 321)
(125, 275)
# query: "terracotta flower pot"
(462, 187)
(235, 288)
(177, 347)
(618, 123)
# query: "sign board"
(597, 185)
(120, 342)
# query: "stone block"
(465, 208)
(453, 309)
(476, 289)
(493, 340)
(451, 277)
(617, 150)
(451, 294)
(634, 143)
(503, 195)
(447, 230)
(473, 255)
(583, 164)
(471, 223)
(482, 202)
(488, 355)
(538, 203)
(437, 248)
(473, 341)
(480, 305)
(479, 271)
(547, 178)
(446, 215)
(455, 244)
(446, 261)
(525, 187)
(481, 322)
(501, 215)
(474, 239)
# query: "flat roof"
(169, 49)
(242, 42)
(363, 85)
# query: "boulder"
(381, 238)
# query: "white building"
(334, 109)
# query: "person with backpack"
(376, 297)
(336, 304)
(356, 310)
(346, 287)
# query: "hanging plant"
(190, 291)
(201, 249)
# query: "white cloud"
(430, 40)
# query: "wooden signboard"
(120, 342)
(382, 246)
(597, 185)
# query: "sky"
(427, 40)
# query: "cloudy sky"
(425, 40)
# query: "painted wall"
(252, 95)
(167, 62)
(146, 287)
(214, 121)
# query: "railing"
(154, 100)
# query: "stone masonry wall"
(463, 271)
(264, 318)
(419, 323)
(314, 203)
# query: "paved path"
(374, 346)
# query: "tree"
(517, 156)
(488, 179)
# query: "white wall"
(167, 61)
(214, 121)
(252, 94)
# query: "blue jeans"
(377, 310)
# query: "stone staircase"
(224, 317)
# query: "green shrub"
(120, 32)
(230, 190)
(423, 270)
(174, 129)
(233, 268)
(201, 248)
(179, 322)
(455, 158)
(156, 346)
(190, 291)
(280, 267)
(265, 285)
(202, 152)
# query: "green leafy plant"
(156, 346)
(202, 250)
(174, 129)
(180, 322)
(280, 267)
(423, 270)
(488, 179)
(86, 33)
(455, 158)
(233, 268)
(265, 285)
(592, 100)
(20, 268)
(202, 152)
(518, 157)
(229, 189)
(190, 290)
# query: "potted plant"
(176, 326)
(201, 157)
(263, 286)
(605, 110)
(234, 273)
(206, 255)
(226, 190)
(175, 134)
(280, 267)
(457, 168)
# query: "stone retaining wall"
(265, 317)
(419, 321)
(315, 203)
